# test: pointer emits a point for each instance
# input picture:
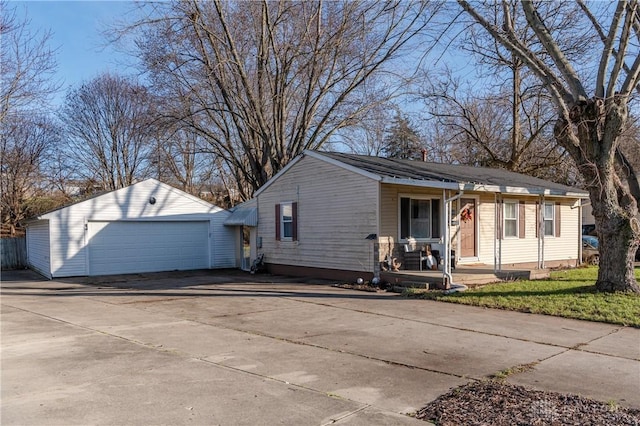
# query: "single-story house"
(146, 227)
(337, 215)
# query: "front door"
(468, 227)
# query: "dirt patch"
(496, 403)
(360, 287)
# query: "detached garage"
(146, 227)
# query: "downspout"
(376, 243)
(446, 272)
(579, 259)
(581, 205)
(500, 223)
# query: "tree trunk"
(591, 134)
(618, 244)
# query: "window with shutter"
(510, 218)
(287, 221)
(549, 219)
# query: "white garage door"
(131, 247)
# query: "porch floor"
(469, 275)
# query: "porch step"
(470, 276)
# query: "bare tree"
(25, 142)
(589, 127)
(502, 117)
(28, 64)
(511, 129)
(110, 129)
(266, 80)
(366, 136)
(178, 159)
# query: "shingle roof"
(390, 169)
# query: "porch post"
(540, 224)
(495, 232)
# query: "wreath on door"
(466, 214)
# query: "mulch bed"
(498, 403)
(360, 287)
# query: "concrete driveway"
(221, 348)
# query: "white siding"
(68, 233)
(525, 250)
(486, 211)
(337, 209)
(223, 242)
(38, 247)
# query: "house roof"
(446, 176)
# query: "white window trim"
(419, 197)
(504, 219)
(552, 219)
(282, 221)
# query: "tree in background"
(365, 136)
(479, 131)
(177, 159)
(588, 126)
(402, 140)
(109, 125)
(28, 65)
(262, 81)
(26, 134)
(502, 117)
(25, 144)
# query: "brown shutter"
(277, 222)
(294, 221)
(537, 219)
(557, 220)
(521, 218)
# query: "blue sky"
(76, 34)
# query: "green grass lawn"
(568, 293)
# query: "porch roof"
(447, 176)
(245, 214)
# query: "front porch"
(469, 275)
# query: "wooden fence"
(14, 253)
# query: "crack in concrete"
(575, 347)
(161, 349)
(345, 415)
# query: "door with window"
(468, 237)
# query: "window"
(548, 216)
(419, 218)
(510, 219)
(286, 221)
